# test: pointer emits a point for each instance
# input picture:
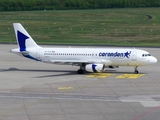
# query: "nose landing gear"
(136, 70)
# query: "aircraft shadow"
(62, 72)
(33, 70)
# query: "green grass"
(123, 27)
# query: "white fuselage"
(114, 57)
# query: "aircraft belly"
(120, 62)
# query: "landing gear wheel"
(136, 72)
(82, 68)
(80, 71)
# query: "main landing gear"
(82, 69)
(136, 70)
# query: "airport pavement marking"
(132, 76)
(66, 88)
(99, 75)
(42, 101)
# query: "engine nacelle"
(94, 67)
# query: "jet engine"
(94, 68)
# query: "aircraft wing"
(74, 62)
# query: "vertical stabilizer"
(24, 40)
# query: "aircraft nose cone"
(154, 60)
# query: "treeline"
(20, 5)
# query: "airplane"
(88, 59)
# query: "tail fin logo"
(22, 40)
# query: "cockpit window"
(145, 55)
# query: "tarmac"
(31, 90)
